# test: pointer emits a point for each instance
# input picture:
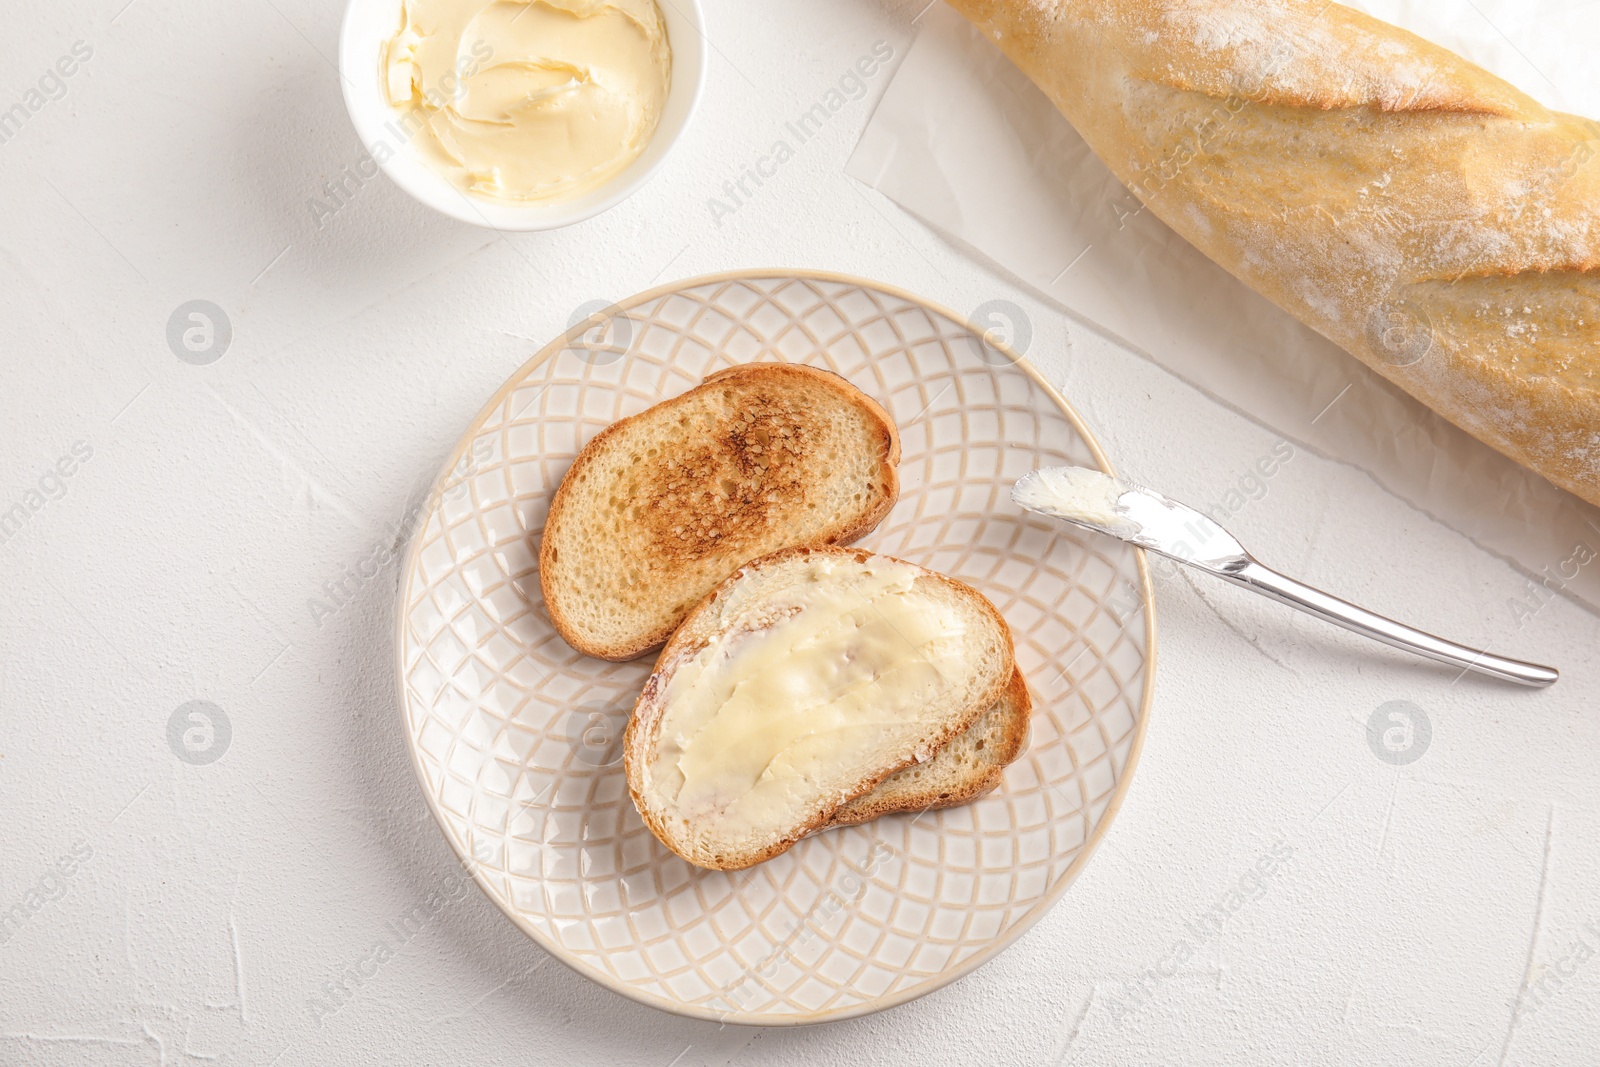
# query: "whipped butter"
(529, 99)
(856, 663)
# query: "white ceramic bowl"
(369, 24)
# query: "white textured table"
(172, 531)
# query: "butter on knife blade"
(1128, 512)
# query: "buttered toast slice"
(967, 767)
(799, 684)
(662, 506)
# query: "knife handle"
(1286, 590)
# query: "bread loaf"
(1421, 213)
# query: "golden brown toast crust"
(723, 493)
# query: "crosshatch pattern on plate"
(517, 738)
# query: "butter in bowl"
(521, 114)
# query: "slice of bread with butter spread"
(798, 685)
(663, 505)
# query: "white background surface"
(181, 560)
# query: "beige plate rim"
(1034, 914)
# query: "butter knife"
(1145, 518)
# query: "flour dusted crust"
(1421, 213)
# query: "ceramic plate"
(516, 738)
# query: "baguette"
(1419, 212)
(799, 684)
(661, 506)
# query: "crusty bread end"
(1421, 213)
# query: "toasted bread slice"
(799, 684)
(966, 768)
(662, 506)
